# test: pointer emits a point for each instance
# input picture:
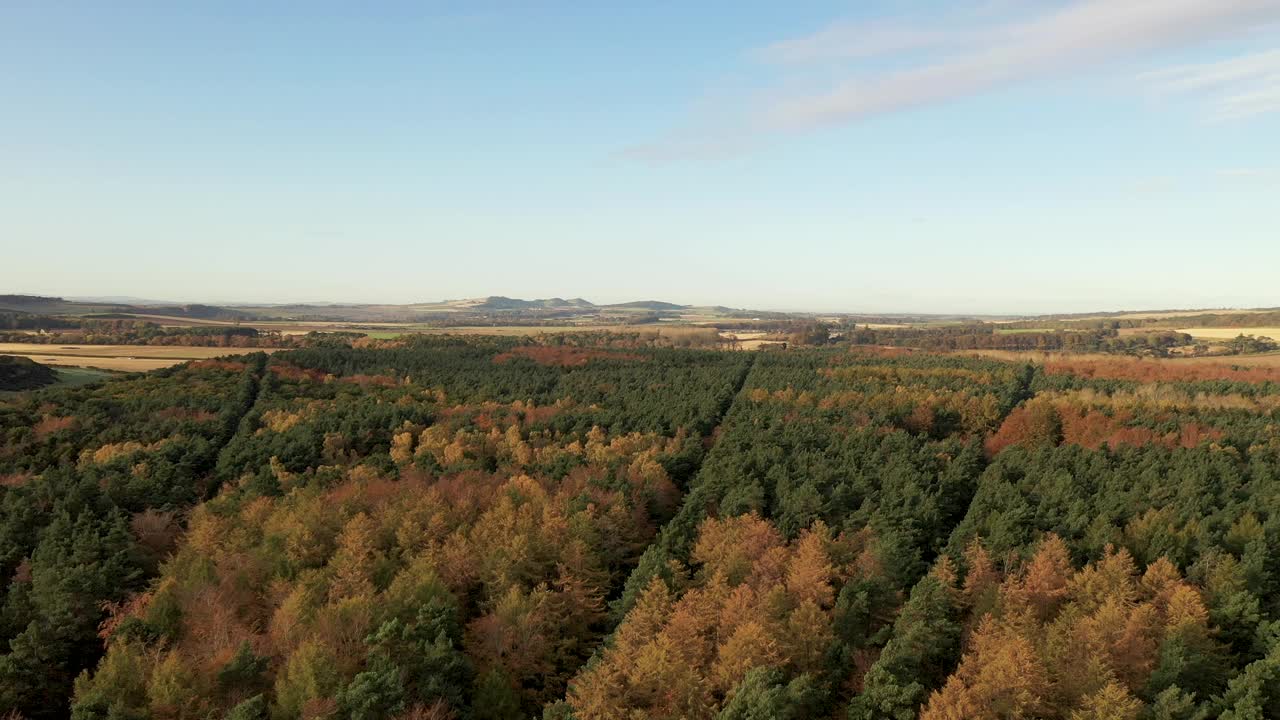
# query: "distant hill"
(203, 312)
(19, 373)
(355, 312)
(499, 302)
(647, 305)
(502, 309)
(32, 303)
(27, 300)
(119, 300)
(50, 305)
(210, 313)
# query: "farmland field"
(128, 358)
(1229, 333)
(1169, 314)
(1259, 360)
(73, 376)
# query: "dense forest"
(19, 373)
(1000, 337)
(590, 527)
(62, 331)
(1266, 317)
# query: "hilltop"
(478, 310)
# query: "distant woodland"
(993, 337)
(65, 331)
(18, 373)
(594, 528)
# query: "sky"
(1001, 156)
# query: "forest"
(1003, 337)
(591, 527)
(62, 331)
(19, 373)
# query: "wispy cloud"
(1247, 173)
(1215, 75)
(845, 41)
(1235, 88)
(935, 63)
(950, 31)
(1082, 34)
(1248, 104)
(1153, 185)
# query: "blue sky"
(994, 156)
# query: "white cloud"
(1259, 101)
(1082, 34)
(1153, 185)
(947, 30)
(1247, 173)
(1233, 89)
(1214, 75)
(857, 40)
(954, 57)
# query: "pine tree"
(926, 638)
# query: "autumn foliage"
(1054, 642)
(752, 601)
(1149, 371)
(590, 527)
(1050, 422)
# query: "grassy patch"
(74, 376)
(67, 377)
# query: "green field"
(75, 376)
(68, 377)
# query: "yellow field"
(1260, 360)
(1228, 333)
(752, 339)
(129, 358)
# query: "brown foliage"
(49, 425)
(1034, 423)
(155, 530)
(371, 380)
(16, 479)
(22, 573)
(117, 612)
(1093, 429)
(1046, 421)
(1160, 371)
(181, 413)
(289, 371)
(303, 577)
(757, 601)
(1064, 643)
